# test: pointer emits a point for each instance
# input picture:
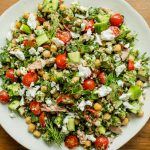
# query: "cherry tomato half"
(46, 46)
(101, 77)
(89, 84)
(10, 75)
(4, 97)
(64, 36)
(64, 99)
(35, 107)
(61, 61)
(101, 142)
(29, 43)
(116, 20)
(130, 65)
(42, 119)
(29, 78)
(71, 141)
(89, 25)
(115, 30)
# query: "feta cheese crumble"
(120, 69)
(32, 23)
(120, 83)
(137, 65)
(91, 138)
(58, 42)
(23, 70)
(103, 91)
(32, 51)
(125, 97)
(74, 35)
(98, 39)
(83, 103)
(84, 72)
(49, 102)
(117, 58)
(128, 105)
(107, 35)
(19, 54)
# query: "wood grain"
(141, 141)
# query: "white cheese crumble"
(9, 36)
(107, 35)
(120, 69)
(97, 123)
(125, 97)
(127, 45)
(22, 101)
(19, 54)
(32, 51)
(91, 138)
(98, 39)
(84, 72)
(49, 102)
(83, 103)
(83, 26)
(40, 49)
(58, 42)
(1, 65)
(103, 91)
(120, 83)
(23, 70)
(137, 65)
(74, 35)
(128, 105)
(88, 35)
(117, 58)
(32, 21)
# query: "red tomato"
(89, 84)
(29, 43)
(116, 20)
(46, 46)
(115, 30)
(29, 78)
(40, 19)
(35, 107)
(61, 61)
(42, 119)
(65, 99)
(64, 36)
(101, 142)
(89, 25)
(10, 75)
(4, 97)
(101, 77)
(130, 65)
(71, 141)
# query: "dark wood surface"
(140, 142)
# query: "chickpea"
(18, 24)
(131, 57)
(62, 7)
(18, 72)
(87, 143)
(75, 79)
(97, 107)
(31, 127)
(41, 72)
(28, 120)
(37, 134)
(53, 48)
(107, 116)
(39, 27)
(44, 89)
(26, 15)
(46, 54)
(46, 76)
(46, 25)
(40, 7)
(125, 121)
(141, 114)
(140, 83)
(117, 48)
(97, 63)
(14, 41)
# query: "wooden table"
(140, 142)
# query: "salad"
(74, 74)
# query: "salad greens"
(73, 73)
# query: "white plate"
(17, 127)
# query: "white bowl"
(17, 128)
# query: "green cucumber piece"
(42, 39)
(26, 29)
(71, 124)
(58, 120)
(49, 6)
(99, 27)
(103, 18)
(74, 57)
(135, 92)
(14, 105)
(55, 4)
